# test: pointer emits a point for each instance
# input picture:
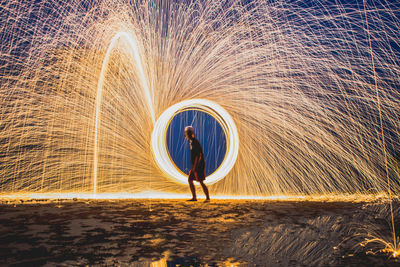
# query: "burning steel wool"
(83, 85)
(306, 93)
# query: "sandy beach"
(180, 233)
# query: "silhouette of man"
(198, 170)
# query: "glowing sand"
(123, 232)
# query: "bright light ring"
(159, 139)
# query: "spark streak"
(83, 83)
(135, 49)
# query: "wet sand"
(180, 233)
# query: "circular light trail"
(159, 143)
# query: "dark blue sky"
(207, 131)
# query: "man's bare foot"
(207, 200)
(193, 199)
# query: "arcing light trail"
(83, 86)
(135, 50)
(159, 145)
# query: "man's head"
(189, 132)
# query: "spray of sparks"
(312, 91)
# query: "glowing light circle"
(159, 143)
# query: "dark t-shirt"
(195, 151)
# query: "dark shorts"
(201, 175)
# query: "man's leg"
(192, 188)
(205, 189)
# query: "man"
(198, 170)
